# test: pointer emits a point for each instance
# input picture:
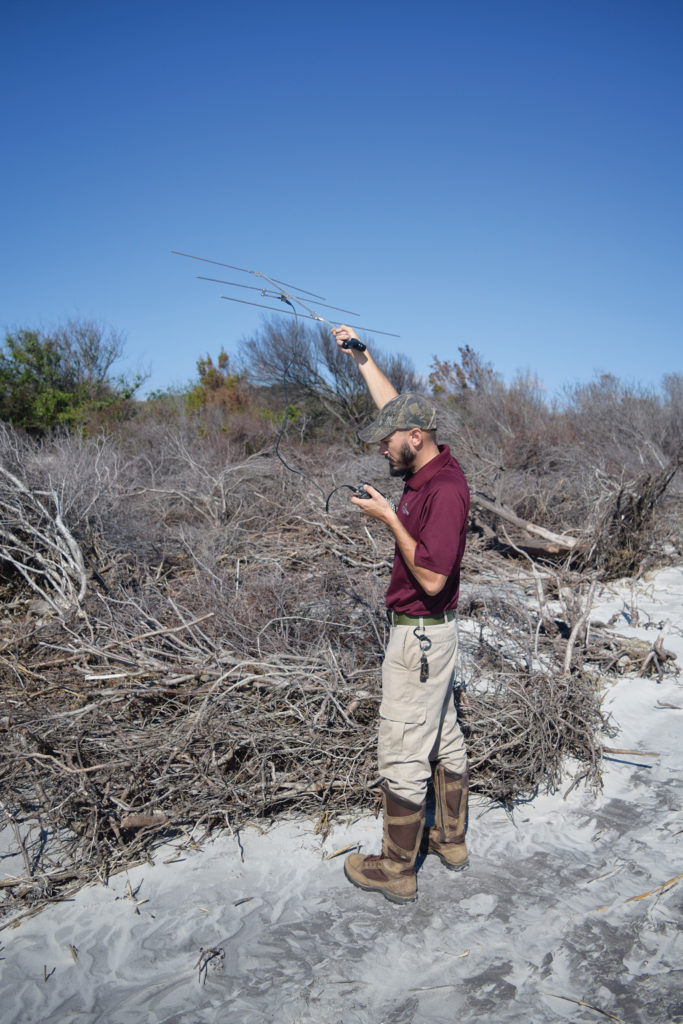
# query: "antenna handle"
(352, 343)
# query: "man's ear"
(416, 438)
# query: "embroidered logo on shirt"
(404, 509)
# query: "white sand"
(543, 911)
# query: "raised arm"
(380, 387)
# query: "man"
(419, 734)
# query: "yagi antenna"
(277, 292)
(267, 293)
(256, 273)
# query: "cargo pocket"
(399, 726)
(407, 712)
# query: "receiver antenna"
(278, 292)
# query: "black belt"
(424, 620)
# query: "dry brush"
(221, 662)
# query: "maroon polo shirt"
(433, 508)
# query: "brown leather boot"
(446, 838)
(392, 872)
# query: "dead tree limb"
(554, 543)
(38, 544)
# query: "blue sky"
(504, 174)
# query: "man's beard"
(403, 464)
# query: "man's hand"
(345, 334)
(376, 506)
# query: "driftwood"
(614, 539)
(548, 543)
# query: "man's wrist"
(393, 522)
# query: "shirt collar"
(424, 475)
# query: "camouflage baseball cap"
(401, 413)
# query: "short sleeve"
(443, 523)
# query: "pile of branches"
(222, 664)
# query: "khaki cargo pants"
(418, 721)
